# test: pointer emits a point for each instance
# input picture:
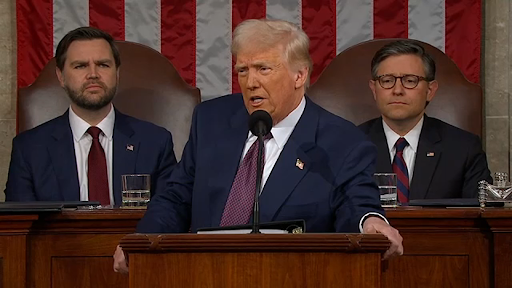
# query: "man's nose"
(252, 80)
(92, 72)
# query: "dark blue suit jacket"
(332, 192)
(449, 161)
(43, 164)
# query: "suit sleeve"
(356, 194)
(166, 164)
(476, 169)
(20, 186)
(170, 210)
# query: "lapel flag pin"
(430, 154)
(299, 164)
(129, 147)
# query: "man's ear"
(371, 83)
(432, 89)
(59, 76)
(301, 76)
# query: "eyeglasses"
(408, 81)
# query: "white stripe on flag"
(142, 22)
(288, 10)
(213, 42)
(427, 22)
(68, 15)
(354, 23)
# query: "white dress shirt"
(273, 147)
(281, 133)
(412, 137)
(83, 141)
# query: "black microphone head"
(260, 122)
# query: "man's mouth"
(255, 100)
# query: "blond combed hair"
(271, 33)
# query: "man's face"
(268, 82)
(90, 74)
(399, 104)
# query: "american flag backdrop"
(195, 35)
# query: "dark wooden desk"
(453, 247)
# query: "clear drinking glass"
(136, 191)
(387, 189)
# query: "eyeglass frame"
(420, 78)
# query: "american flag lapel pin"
(430, 154)
(129, 147)
(299, 164)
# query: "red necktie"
(400, 168)
(97, 171)
(240, 201)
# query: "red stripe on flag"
(319, 23)
(390, 19)
(243, 10)
(178, 36)
(34, 24)
(108, 16)
(463, 35)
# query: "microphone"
(260, 123)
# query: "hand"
(120, 261)
(376, 225)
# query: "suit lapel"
(378, 137)
(126, 148)
(62, 155)
(427, 157)
(224, 165)
(286, 174)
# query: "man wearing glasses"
(431, 158)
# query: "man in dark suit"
(431, 158)
(82, 154)
(317, 166)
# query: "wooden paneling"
(255, 260)
(427, 271)
(258, 270)
(1, 272)
(86, 272)
(34, 248)
(13, 231)
(503, 259)
(500, 222)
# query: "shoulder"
(143, 128)
(336, 133)
(367, 126)
(40, 134)
(448, 131)
(223, 103)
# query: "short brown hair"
(84, 33)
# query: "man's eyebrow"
(103, 61)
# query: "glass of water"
(387, 189)
(136, 191)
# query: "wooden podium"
(261, 260)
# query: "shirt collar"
(412, 137)
(282, 130)
(79, 126)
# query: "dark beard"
(77, 97)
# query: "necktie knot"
(94, 132)
(400, 144)
(268, 136)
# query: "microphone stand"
(259, 175)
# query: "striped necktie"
(400, 168)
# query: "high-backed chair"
(149, 88)
(343, 89)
